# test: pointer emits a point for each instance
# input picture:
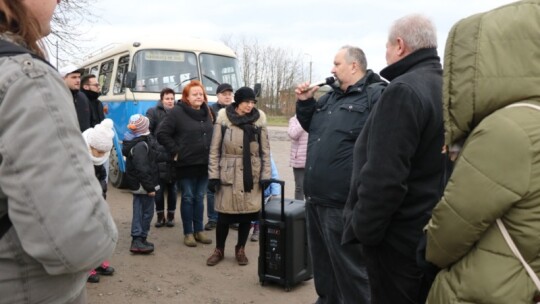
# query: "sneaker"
(189, 240)
(137, 246)
(215, 258)
(107, 270)
(202, 238)
(93, 277)
(147, 243)
(211, 225)
(241, 257)
(255, 234)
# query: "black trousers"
(394, 278)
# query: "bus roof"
(190, 44)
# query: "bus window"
(94, 70)
(218, 69)
(157, 69)
(105, 74)
(120, 75)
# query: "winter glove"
(213, 185)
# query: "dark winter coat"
(141, 168)
(186, 134)
(215, 107)
(82, 107)
(333, 123)
(166, 169)
(96, 107)
(398, 164)
(101, 175)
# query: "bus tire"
(116, 176)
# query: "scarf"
(246, 123)
(198, 115)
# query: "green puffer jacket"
(491, 61)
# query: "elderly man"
(333, 123)
(398, 173)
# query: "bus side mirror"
(131, 80)
(257, 89)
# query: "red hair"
(185, 94)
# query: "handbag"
(516, 252)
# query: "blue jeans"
(192, 204)
(339, 271)
(143, 211)
(171, 196)
(210, 211)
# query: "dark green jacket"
(491, 61)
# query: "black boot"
(160, 219)
(170, 219)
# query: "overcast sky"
(314, 28)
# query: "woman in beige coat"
(239, 161)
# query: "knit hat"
(244, 94)
(138, 125)
(101, 136)
(224, 87)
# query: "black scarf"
(246, 123)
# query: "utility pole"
(310, 65)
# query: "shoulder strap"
(145, 144)
(516, 252)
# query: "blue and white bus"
(131, 76)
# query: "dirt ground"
(175, 273)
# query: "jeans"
(210, 212)
(298, 183)
(143, 211)
(339, 272)
(192, 204)
(171, 196)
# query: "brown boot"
(215, 258)
(160, 219)
(170, 219)
(241, 257)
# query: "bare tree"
(65, 39)
(277, 69)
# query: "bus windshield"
(217, 69)
(157, 69)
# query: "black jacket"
(96, 107)
(398, 165)
(187, 132)
(82, 107)
(165, 167)
(141, 159)
(333, 123)
(215, 107)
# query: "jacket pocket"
(352, 119)
(226, 171)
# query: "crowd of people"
(421, 187)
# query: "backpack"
(10, 49)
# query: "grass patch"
(281, 121)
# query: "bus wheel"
(115, 175)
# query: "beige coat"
(226, 165)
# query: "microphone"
(328, 81)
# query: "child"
(99, 143)
(143, 178)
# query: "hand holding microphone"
(305, 90)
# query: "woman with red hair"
(186, 133)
